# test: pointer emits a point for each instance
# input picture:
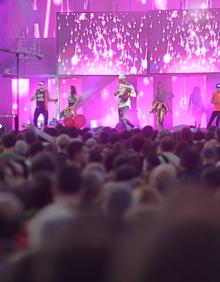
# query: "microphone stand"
(18, 53)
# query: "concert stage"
(89, 43)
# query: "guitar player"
(124, 93)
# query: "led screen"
(184, 41)
(102, 43)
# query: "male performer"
(124, 93)
(42, 98)
(216, 102)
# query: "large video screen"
(184, 41)
(102, 43)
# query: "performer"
(42, 98)
(161, 104)
(73, 100)
(216, 102)
(124, 93)
(196, 106)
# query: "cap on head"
(122, 77)
(41, 83)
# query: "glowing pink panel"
(144, 100)
(184, 41)
(183, 86)
(102, 43)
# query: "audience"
(104, 205)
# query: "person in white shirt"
(124, 93)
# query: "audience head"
(8, 140)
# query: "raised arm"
(49, 99)
(133, 92)
(77, 100)
(33, 96)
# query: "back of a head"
(164, 132)
(180, 147)
(186, 135)
(76, 250)
(185, 251)
(44, 162)
(148, 131)
(163, 177)
(126, 135)
(63, 141)
(190, 159)
(41, 193)
(137, 142)
(9, 140)
(35, 148)
(121, 159)
(125, 172)
(199, 136)
(167, 144)
(10, 214)
(209, 154)
(114, 137)
(104, 137)
(69, 180)
(30, 136)
(95, 155)
(211, 177)
(21, 148)
(74, 148)
(118, 198)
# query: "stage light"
(93, 123)
(146, 81)
(144, 64)
(204, 6)
(14, 106)
(167, 58)
(54, 122)
(74, 60)
(57, 2)
(161, 4)
(2, 128)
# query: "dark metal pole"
(16, 122)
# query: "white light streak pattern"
(102, 43)
(185, 41)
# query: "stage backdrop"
(184, 41)
(98, 103)
(170, 41)
(102, 43)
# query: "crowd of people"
(102, 205)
